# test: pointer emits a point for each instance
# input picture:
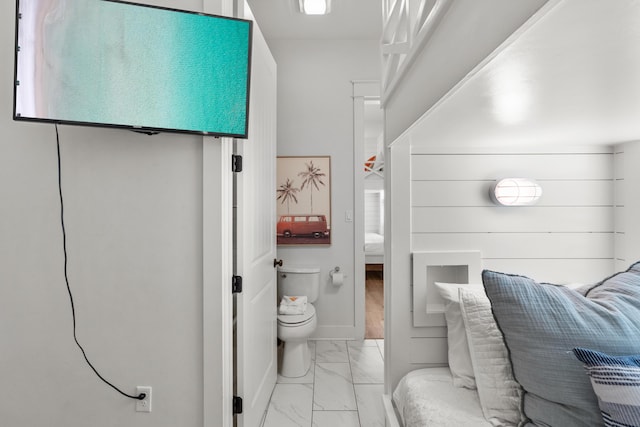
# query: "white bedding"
(373, 243)
(427, 397)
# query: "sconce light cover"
(315, 7)
(515, 192)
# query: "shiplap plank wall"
(372, 212)
(474, 167)
(619, 198)
(475, 193)
(627, 204)
(566, 238)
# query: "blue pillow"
(616, 382)
(542, 323)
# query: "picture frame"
(303, 200)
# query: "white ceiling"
(572, 77)
(348, 20)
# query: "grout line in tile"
(353, 385)
(313, 391)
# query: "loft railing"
(407, 25)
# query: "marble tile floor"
(342, 388)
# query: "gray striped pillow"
(616, 382)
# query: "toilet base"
(296, 359)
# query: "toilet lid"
(292, 319)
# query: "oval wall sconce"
(515, 192)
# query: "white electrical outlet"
(143, 405)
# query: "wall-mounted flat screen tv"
(141, 67)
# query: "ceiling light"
(315, 7)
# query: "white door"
(256, 359)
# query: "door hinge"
(237, 405)
(236, 163)
(236, 284)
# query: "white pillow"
(459, 356)
(498, 391)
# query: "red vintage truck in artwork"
(303, 225)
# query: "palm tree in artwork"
(287, 192)
(311, 178)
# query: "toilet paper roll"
(337, 279)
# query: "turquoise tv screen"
(122, 64)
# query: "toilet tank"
(299, 281)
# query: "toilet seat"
(297, 319)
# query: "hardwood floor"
(374, 305)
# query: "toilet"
(295, 329)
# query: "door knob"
(277, 263)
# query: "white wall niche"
(447, 267)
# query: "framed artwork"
(303, 200)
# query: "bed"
(428, 397)
(564, 342)
(373, 248)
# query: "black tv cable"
(141, 396)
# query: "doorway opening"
(373, 187)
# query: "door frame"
(217, 268)
(363, 90)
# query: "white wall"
(315, 118)
(134, 217)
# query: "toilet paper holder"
(337, 278)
